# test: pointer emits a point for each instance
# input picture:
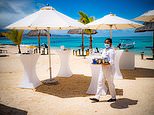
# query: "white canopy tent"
(49, 19)
(110, 22)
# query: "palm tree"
(85, 20)
(15, 36)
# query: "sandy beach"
(134, 93)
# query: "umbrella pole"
(39, 43)
(111, 31)
(51, 80)
(49, 53)
(82, 43)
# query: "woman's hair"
(109, 39)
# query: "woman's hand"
(105, 64)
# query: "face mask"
(107, 46)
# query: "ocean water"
(75, 42)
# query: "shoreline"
(75, 42)
(23, 47)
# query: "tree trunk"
(19, 49)
(82, 43)
(90, 47)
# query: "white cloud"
(13, 10)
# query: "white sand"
(135, 93)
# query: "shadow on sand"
(138, 73)
(123, 103)
(3, 55)
(75, 86)
(6, 110)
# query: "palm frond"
(19, 36)
(14, 35)
(91, 19)
(83, 17)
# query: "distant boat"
(126, 44)
(60, 36)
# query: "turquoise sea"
(75, 42)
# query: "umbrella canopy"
(146, 17)
(49, 19)
(46, 18)
(148, 26)
(112, 21)
(37, 33)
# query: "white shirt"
(109, 54)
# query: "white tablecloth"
(117, 74)
(64, 70)
(95, 70)
(30, 79)
(127, 60)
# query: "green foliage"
(15, 36)
(85, 20)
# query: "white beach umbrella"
(110, 22)
(49, 19)
(146, 17)
(46, 18)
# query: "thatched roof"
(79, 31)
(148, 26)
(37, 32)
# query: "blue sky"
(13, 10)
